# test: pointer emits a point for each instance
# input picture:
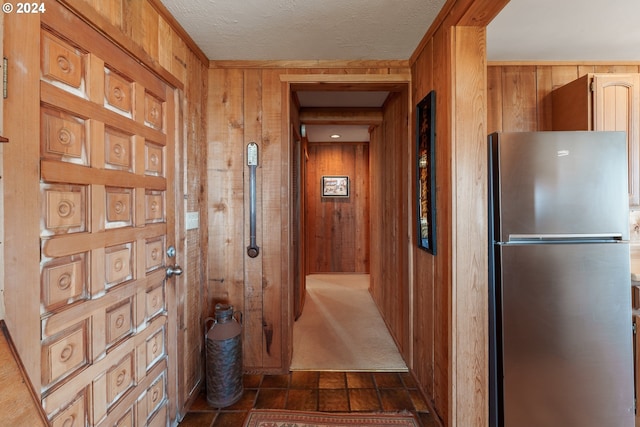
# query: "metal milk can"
(224, 357)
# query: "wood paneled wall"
(145, 28)
(195, 241)
(390, 186)
(432, 285)
(246, 106)
(248, 102)
(449, 292)
(336, 228)
(520, 95)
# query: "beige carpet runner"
(341, 329)
(281, 418)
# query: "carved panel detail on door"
(119, 321)
(154, 159)
(64, 209)
(154, 254)
(72, 415)
(64, 136)
(61, 62)
(117, 91)
(119, 207)
(153, 114)
(64, 281)
(120, 379)
(118, 266)
(155, 348)
(118, 149)
(65, 353)
(154, 206)
(154, 300)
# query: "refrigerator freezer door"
(566, 335)
(560, 183)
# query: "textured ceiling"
(565, 30)
(525, 30)
(589, 30)
(305, 29)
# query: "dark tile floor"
(316, 391)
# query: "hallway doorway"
(322, 251)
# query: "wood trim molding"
(350, 78)
(400, 63)
(346, 82)
(331, 116)
(476, 13)
(559, 63)
(333, 144)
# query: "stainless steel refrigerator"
(560, 299)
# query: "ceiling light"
(335, 136)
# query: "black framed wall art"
(425, 173)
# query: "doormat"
(282, 418)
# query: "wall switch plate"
(193, 220)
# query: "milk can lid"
(223, 311)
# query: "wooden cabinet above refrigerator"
(604, 102)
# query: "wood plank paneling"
(520, 109)
(195, 165)
(275, 218)
(470, 222)
(337, 229)
(254, 291)
(432, 285)
(449, 61)
(21, 189)
(523, 100)
(424, 263)
(266, 298)
(360, 191)
(494, 95)
(544, 85)
(245, 106)
(442, 279)
(389, 154)
(225, 182)
(122, 34)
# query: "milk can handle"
(238, 316)
(206, 322)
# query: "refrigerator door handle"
(596, 237)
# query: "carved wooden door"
(107, 220)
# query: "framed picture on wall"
(335, 186)
(426, 173)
